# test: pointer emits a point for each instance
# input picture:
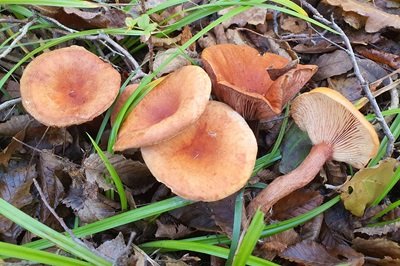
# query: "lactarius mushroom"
(338, 132)
(208, 161)
(240, 79)
(68, 86)
(174, 104)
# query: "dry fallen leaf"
(379, 247)
(366, 185)
(376, 19)
(332, 64)
(178, 62)
(253, 16)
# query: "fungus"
(240, 79)
(337, 130)
(68, 86)
(170, 107)
(208, 161)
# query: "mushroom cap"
(68, 86)
(240, 79)
(208, 161)
(167, 109)
(328, 117)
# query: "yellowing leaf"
(366, 185)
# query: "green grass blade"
(395, 129)
(120, 219)
(60, 3)
(24, 253)
(250, 239)
(43, 231)
(201, 248)
(388, 112)
(237, 222)
(389, 208)
(114, 175)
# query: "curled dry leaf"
(15, 188)
(379, 247)
(50, 168)
(332, 64)
(14, 125)
(178, 62)
(133, 174)
(379, 230)
(366, 185)
(376, 19)
(253, 16)
(311, 253)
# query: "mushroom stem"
(298, 178)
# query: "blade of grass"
(60, 3)
(201, 248)
(120, 219)
(389, 208)
(388, 112)
(237, 222)
(114, 175)
(250, 239)
(395, 129)
(43, 231)
(24, 253)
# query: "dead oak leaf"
(366, 185)
(379, 247)
(376, 19)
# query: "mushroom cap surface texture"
(68, 86)
(208, 161)
(240, 79)
(328, 117)
(167, 109)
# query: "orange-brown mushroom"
(240, 79)
(337, 130)
(208, 161)
(68, 86)
(174, 104)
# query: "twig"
(12, 20)
(9, 103)
(363, 82)
(23, 31)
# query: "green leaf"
(143, 21)
(24, 253)
(250, 239)
(366, 185)
(61, 3)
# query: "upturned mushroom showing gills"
(68, 86)
(338, 132)
(174, 104)
(208, 161)
(240, 79)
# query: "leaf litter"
(74, 179)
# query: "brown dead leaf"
(337, 229)
(379, 56)
(171, 231)
(81, 19)
(50, 168)
(332, 64)
(298, 202)
(376, 19)
(15, 144)
(253, 16)
(14, 125)
(379, 247)
(311, 253)
(292, 24)
(15, 188)
(113, 248)
(366, 185)
(88, 204)
(276, 244)
(133, 174)
(178, 62)
(379, 230)
(349, 87)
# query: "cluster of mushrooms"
(202, 149)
